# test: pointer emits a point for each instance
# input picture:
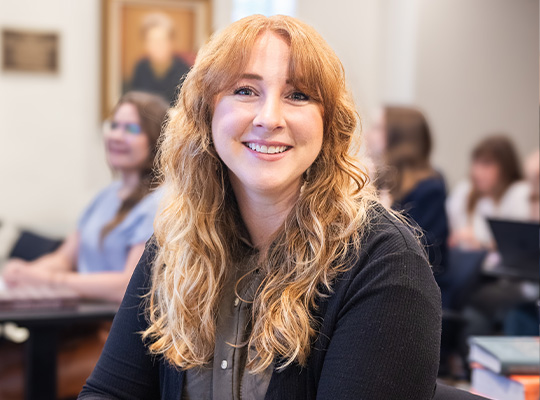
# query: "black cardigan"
(378, 339)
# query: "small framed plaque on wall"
(30, 51)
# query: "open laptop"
(519, 246)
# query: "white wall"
(477, 73)
(353, 29)
(51, 161)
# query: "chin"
(120, 166)
(267, 185)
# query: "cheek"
(495, 174)
(141, 148)
(307, 127)
(476, 172)
(230, 120)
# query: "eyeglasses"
(129, 127)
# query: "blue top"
(111, 253)
(425, 205)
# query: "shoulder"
(386, 233)
(179, 62)
(515, 203)
(435, 184)
(517, 190)
(459, 193)
(428, 192)
(106, 197)
(140, 221)
(154, 197)
(462, 188)
(149, 203)
(390, 266)
(142, 65)
(110, 190)
(390, 256)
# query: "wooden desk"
(42, 344)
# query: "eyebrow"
(257, 77)
(252, 76)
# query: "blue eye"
(298, 96)
(133, 128)
(244, 91)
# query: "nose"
(270, 114)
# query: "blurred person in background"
(523, 319)
(161, 71)
(494, 189)
(399, 145)
(97, 260)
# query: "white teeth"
(266, 149)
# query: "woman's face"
(485, 175)
(158, 44)
(266, 131)
(127, 146)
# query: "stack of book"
(506, 368)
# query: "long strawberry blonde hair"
(198, 229)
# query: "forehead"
(270, 53)
(485, 159)
(127, 111)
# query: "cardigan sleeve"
(125, 370)
(385, 344)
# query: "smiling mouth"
(117, 150)
(266, 149)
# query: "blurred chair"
(30, 246)
(459, 279)
(457, 284)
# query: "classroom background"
(470, 66)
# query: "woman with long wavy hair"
(274, 272)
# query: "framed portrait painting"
(149, 45)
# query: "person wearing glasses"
(274, 272)
(97, 260)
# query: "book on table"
(506, 355)
(505, 368)
(513, 387)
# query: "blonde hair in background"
(197, 231)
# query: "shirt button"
(236, 302)
(224, 364)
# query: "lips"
(116, 150)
